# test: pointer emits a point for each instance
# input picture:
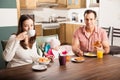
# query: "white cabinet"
(92, 3)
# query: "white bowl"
(44, 62)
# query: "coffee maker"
(75, 16)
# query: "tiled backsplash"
(43, 14)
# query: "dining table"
(107, 68)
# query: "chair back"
(41, 41)
(107, 30)
(115, 33)
(3, 42)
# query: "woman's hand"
(22, 36)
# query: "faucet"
(50, 19)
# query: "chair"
(107, 30)
(115, 34)
(42, 40)
(4, 42)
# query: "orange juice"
(99, 54)
(68, 58)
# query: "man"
(85, 37)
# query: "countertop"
(72, 22)
(67, 22)
(49, 25)
(57, 25)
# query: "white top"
(16, 55)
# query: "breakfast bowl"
(43, 60)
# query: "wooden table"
(107, 68)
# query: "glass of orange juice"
(68, 57)
(99, 53)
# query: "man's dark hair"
(90, 11)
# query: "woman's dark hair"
(90, 11)
(20, 30)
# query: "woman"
(21, 49)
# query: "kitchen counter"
(72, 22)
(38, 23)
(49, 25)
(56, 25)
(53, 24)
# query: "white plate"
(39, 67)
(90, 54)
(73, 60)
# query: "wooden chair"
(107, 30)
(115, 34)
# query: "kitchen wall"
(110, 15)
(8, 13)
(8, 23)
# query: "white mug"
(31, 33)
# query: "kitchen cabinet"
(70, 28)
(62, 34)
(46, 1)
(72, 3)
(66, 32)
(62, 2)
(38, 29)
(47, 32)
(28, 4)
(76, 3)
